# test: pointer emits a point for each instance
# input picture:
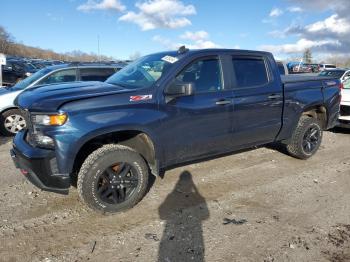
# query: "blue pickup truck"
(161, 111)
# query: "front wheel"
(306, 139)
(12, 121)
(113, 178)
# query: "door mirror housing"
(180, 89)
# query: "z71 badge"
(140, 98)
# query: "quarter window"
(250, 72)
(205, 74)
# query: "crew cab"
(164, 110)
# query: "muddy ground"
(257, 205)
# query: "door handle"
(223, 102)
(274, 96)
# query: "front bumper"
(39, 166)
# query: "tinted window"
(205, 74)
(333, 73)
(142, 73)
(281, 68)
(330, 66)
(250, 72)
(96, 74)
(60, 77)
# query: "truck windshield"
(31, 79)
(144, 72)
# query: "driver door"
(199, 125)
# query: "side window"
(204, 73)
(60, 77)
(96, 74)
(250, 72)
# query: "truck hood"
(48, 98)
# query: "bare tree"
(5, 40)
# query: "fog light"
(45, 141)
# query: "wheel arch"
(138, 140)
(318, 112)
(3, 110)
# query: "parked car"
(344, 117)
(11, 118)
(16, 70)
(342, 74)
(313, 68)
(200, 104)
(326, 66)
(282, 67)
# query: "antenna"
(182, 49)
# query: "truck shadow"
(183, 211)
(340, 130)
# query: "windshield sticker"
(140, 98)
(170, 59)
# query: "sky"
(127, 27)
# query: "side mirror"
(180, 89)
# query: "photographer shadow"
(183, 211)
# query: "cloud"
(300, 46)
(154, 14)
(91, 5)
(295, 9)
(329, 36)
(199, 40)
(276, 12)
(195, 36)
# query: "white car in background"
(344, 117)
(11, 118)
(327, 66)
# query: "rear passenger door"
(258, 101)
(96, 74)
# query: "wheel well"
(319, 113)
(139, 141)
(7, 109)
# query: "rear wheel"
(12, 121)
(113, 178)
(306, 139)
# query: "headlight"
(28, 74)
(50, 120)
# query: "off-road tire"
(295, 147)
(96, 163)
(3, 117)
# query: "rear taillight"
(341, 86)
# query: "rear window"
(96, 74)
(250, 72)
(330, 66)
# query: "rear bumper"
(39, 166)
(344, 117)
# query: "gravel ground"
(259, 205)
